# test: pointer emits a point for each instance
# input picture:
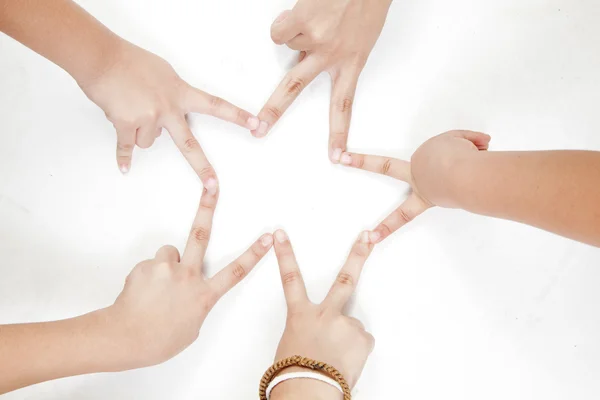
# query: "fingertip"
(374, 237)
(346, 159)
(266, 241)
(124, 168)
(211, 186)
(261, 130)
(379, 234)
(252, 123)
(335, 155)
(281, 236)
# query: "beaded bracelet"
(300, 361)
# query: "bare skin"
(336, 36)
(139, 92)
(158, 314)
(322, 331)
(557, 191)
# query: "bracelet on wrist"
(300, 361)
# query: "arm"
(158, 314)
(139, 92)
(62, 32)
(32, 353)
(558, 191)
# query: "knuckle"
(404, 216)
(290, 277)
(276, 37)
(200, 234)
(369, 340)
(242, 116)
(206, 171)
(152, 115)
(163, 269)
(238, 270)
(190, 144)
(385, 229)
(345, 279)
(274, 111)
(256, 253)
(359, 250)
(215, 102)
(360, 161)
(345, 104)
(124, 147)
(316, 35)
(386, 166)
(294, 85)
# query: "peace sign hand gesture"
(166, 299)
(336, 36)
(429, 173)
(321, 331)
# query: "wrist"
(100, 344)
(465, 177)
(101, 58)
(302, 389)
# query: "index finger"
(231, 275)
(340, 112)
(395, 168)
(190, 148)
(347, 279)
(288, 90)
(205, 103)
(291, 277)
(197, 243)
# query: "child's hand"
(430, 173)
(141, 93)
(336, 36)
(321, 331)
(166, 299)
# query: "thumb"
(285, 27)
(479, 139)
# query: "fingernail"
(281, 236)
(374, 237)
(124, 168)
(364, 237)
(336, 154)
(253, 123)
(211, 186)
(261, 131)
(267, 240)
(346, 159)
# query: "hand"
(321, 331)
(429, 174)
(335, 36)
(166, 299)
(141, 93)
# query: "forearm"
(62, 32)
(33, 353)
(558, 191)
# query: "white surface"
(462, 307)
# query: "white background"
(462, 307)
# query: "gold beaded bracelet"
(300, 361)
